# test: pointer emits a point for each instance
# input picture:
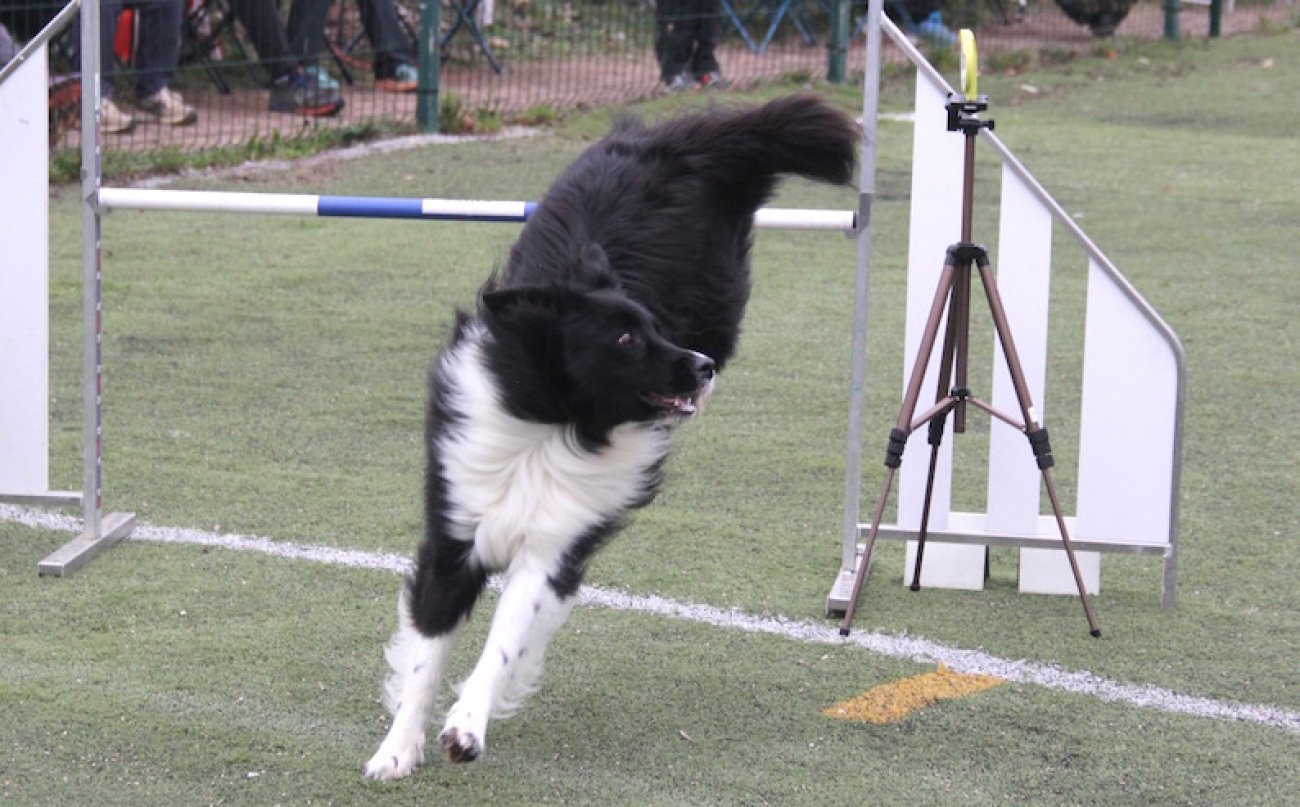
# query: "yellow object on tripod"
(970, 65)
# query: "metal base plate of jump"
(83, 549)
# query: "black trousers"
(686, 34)
(379, 20)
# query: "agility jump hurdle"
(1128, 506)
(377, 207)
(24, 283)
(1132, 397)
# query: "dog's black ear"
(521, 308)
(503, 302)
(591, 269)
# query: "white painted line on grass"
(910, 648)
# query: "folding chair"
(740, 26)
(795, 9)
(465, 17)
(206, 27)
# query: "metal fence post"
(430, 58)
(837, 44)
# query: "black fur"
(552, 406)
(622, 297)
(671, 208)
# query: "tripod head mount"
(963, 114)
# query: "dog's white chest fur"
(525, 491)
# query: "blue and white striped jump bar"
(376, 207)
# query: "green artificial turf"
(266, 376)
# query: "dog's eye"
(627, 340)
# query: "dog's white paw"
(460, 745)
(395, 763)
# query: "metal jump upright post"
(864, 234)
(27, 272)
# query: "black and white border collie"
(552, 406)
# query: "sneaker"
(680, 82)
(113, 120)
(712, 80)
(299, 93)
(168, 107)
(322, 77)
(405, 78)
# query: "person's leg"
(291, 89)
(112, 119)
(306, 28)
(159, 45)
(306, 33)
(383, 28)
(265, 30)
(109, 10)
(707, 30)
(155, 62)
(672, 38)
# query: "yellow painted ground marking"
(890, 703)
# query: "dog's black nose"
(705, 368)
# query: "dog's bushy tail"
(744, 152)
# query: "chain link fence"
(526, 61)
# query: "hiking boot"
(322, 77)
(168, 107)
(405, 78)
(300, 94)
(113, 120)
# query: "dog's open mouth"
(673, 405)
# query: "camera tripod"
(953, 293)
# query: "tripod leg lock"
(1042, 447)
(964, 254)
(894, 451)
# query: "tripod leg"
(1037, 435)
(936, 437)
(942, 297)
(954, 351)
(1093, 628)
(959, 316)
(902, 429)
(864, 565)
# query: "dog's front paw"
(460, 745)
(389, 763)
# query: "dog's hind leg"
(526, 618)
